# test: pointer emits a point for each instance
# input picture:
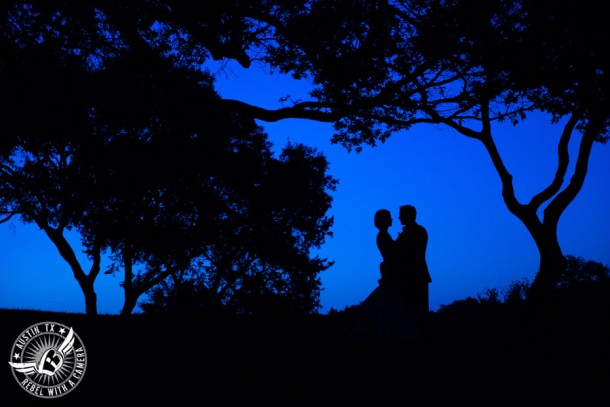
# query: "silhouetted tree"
(251, 239)
(156, 162)
(38, 185)
(42, 77)
(260, 261)
(117, 133)
(124, 178)
(516, 292)
(580, 271)
(382, 67)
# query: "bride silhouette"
(386, 314)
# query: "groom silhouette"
(411, 245)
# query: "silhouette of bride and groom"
(398, 308)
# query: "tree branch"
(437, 118)
(557, 206)
(8, 216)
(508, 190)
(65, 250)
(562, 166)
(96, 255)
(147, 284)
(303, 110)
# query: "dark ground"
(474, 356)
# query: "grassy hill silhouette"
(477, 353)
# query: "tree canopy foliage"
(383, 67)
(121, 136)
(86, 70)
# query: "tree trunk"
(129, 304)
(90, 298)
(552, 263)
(84, 281)
(130, 298)
(133, 291)
(552, 260)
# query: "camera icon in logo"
(50, 362)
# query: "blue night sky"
(475, 243)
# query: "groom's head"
(407, 214)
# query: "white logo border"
(33, 341)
